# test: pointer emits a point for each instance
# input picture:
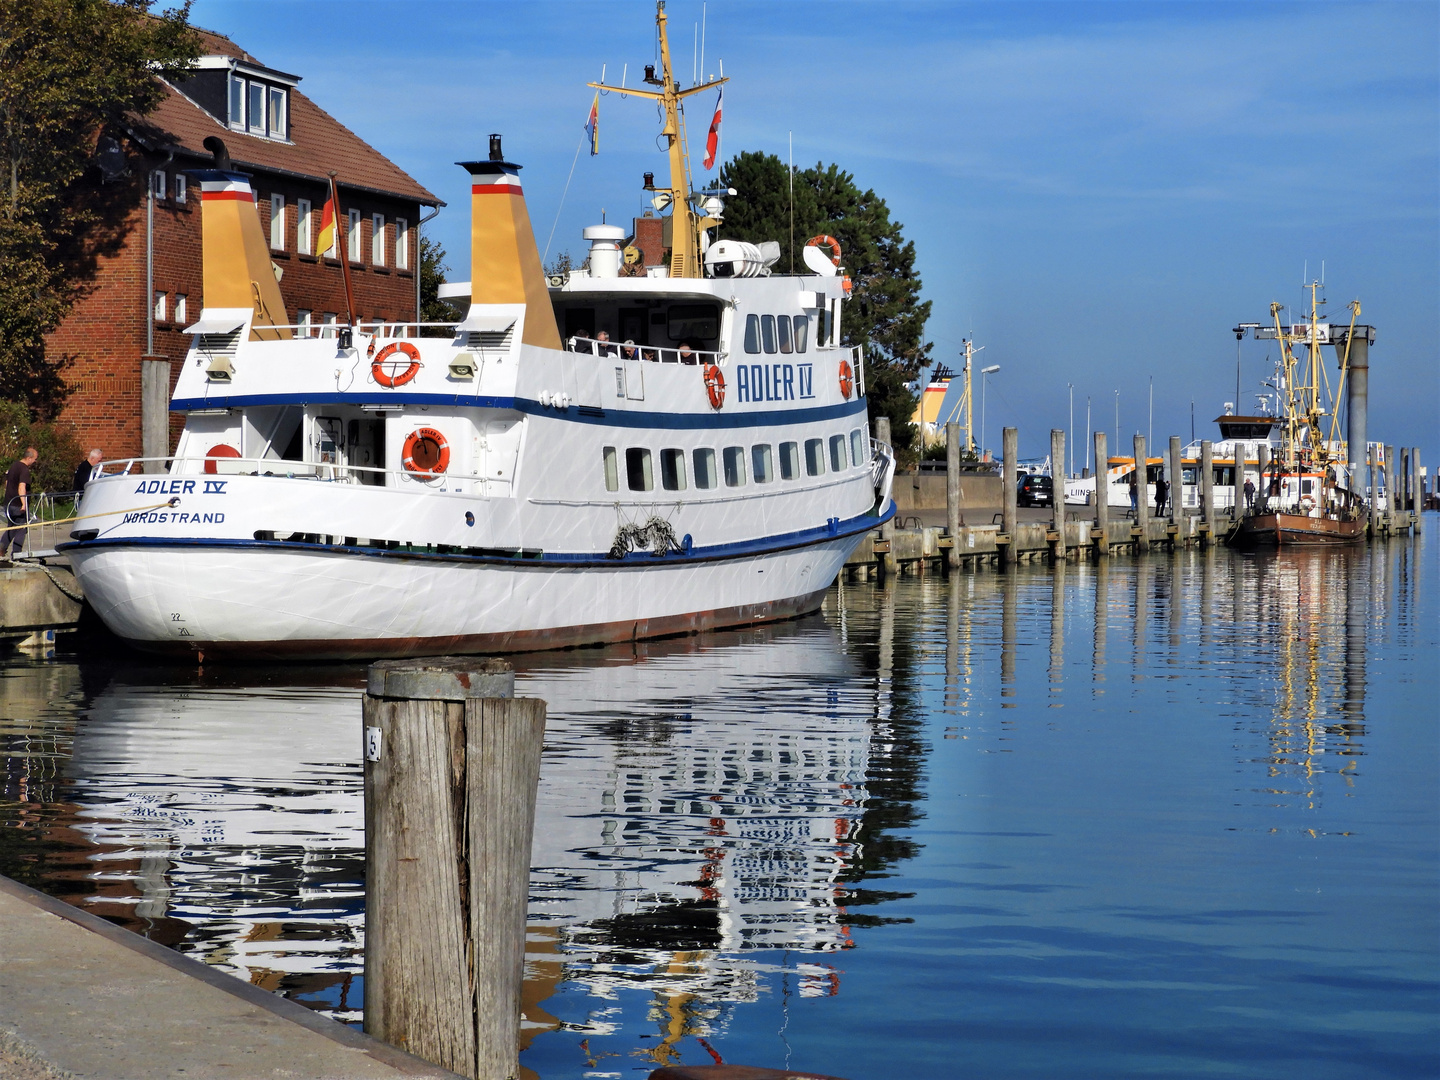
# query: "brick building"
(126, 337)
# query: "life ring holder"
(826, 240)
(425, 469)
(847, 379)
(381, 372)
(715, 385)
(219, 450)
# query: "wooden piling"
(885, 560)
(1237, 505)
(452, 761)
(1207, 491)
(1009, 511)
(1374, 493)
(1142, 494)
(1102, 496)
(952, 491)
(1175, 476)
(1057, 492)
(1391, 503)
(1402, 484)
(1417, 492)
(1262, 486)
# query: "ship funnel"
(1357, 389)
(504, 261)
(238, 272)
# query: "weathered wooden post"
(1207, 490)
(1402, 484)
(1101, 534)
(1417, 491)
(1262, 486)
(952, 492)
(1009, 511)
(1391, 502)
(885, 558)
(452, 761)
(1176, 476)
(1057, 493)
(1237, 508)
(1142, 493)
(1374, 493)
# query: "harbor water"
(1176, 815)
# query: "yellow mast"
(686, 225)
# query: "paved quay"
(82, 998)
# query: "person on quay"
(1249, 494)
(85, 471)
(1134, 491)
(1162, 495)
(17, 504)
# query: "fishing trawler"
(1307, 494)
(380, 493)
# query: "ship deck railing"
(335, 472)
(655, 354)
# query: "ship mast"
(1305, 441)
(686, 225)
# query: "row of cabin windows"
(761, 460)
(307, 222)
(776, 333)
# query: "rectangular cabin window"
(789, 460)
(694, 323)
(783, 325)
(814, 457)
(802, 332)
(277, 222)
(377, 239)
(277, 113)
(762, 465)
(837, 453)
(820, 322)
(402, 244)
(255, 109)
(672, 470)
(352, 245)
(752, 333)
(857, 448)
(734, 466)
(704, 462)
(638, 473)
(237, 103)
(303, 226)
(612, 469)
(767, 332)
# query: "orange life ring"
(219, 450)
(847, 379)
(432, 450)
(384, 375)
(715, 385)
(830, 241)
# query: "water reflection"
(756, 836)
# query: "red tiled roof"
(319, 143)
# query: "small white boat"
(375, 492)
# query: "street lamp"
(985, 373)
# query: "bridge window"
(837, 453)
(857, 448)
(638, 472)
(612, 464)
(802, 332)
(767, 332)
(734, 466)
(704, 461)
(672, 470)
(752, 333)
(815, 457)
(762, 465)
(789, 460)
(784, 328)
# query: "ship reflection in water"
(1098, 817)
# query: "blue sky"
(1097, 192)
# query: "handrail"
(281, 468)
(655, 354)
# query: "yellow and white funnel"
(504, 261)
(238, 272)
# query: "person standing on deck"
(1249, 494)
(1134, 492)
(17, 504)
(1162, 495)
(85, 471)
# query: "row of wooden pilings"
(452, 764)
(959, 546)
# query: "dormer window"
(279, 100)
(259, 108)
(256, 110)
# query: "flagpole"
(343, 248)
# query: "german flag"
(327, 225)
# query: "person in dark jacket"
(86, 469)
(17, 504)
(1162, 495)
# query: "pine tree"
(885, 314)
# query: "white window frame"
(327, 324)
(277, 221)
(278, 120)
(402, 244)
(161, 180)
(302, 320)
(254, 125)
(237, 115)
(160, 305)
(304, 228)
(182, 186)
(352, 236)
(181, 308)
(377, 239)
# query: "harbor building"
(124, 341)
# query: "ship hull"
(261, 602)
(1298, 530)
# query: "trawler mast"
(686, 224)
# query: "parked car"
(1035, 490)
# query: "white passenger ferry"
(374, 493)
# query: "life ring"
(219, 450)
(715, 385)
(384, 376)
(847, 379)
(830, 241)
(430, 447)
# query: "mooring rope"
(103, 513)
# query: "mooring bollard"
(452, 761)
(1102, 496)
(1009, 511)
(952, 492)
(1142, 493)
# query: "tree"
(433, 270)
(72, 72)
(885, 314)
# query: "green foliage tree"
(433, 270)
(885, 314)
(58, 445)
(71, 72)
